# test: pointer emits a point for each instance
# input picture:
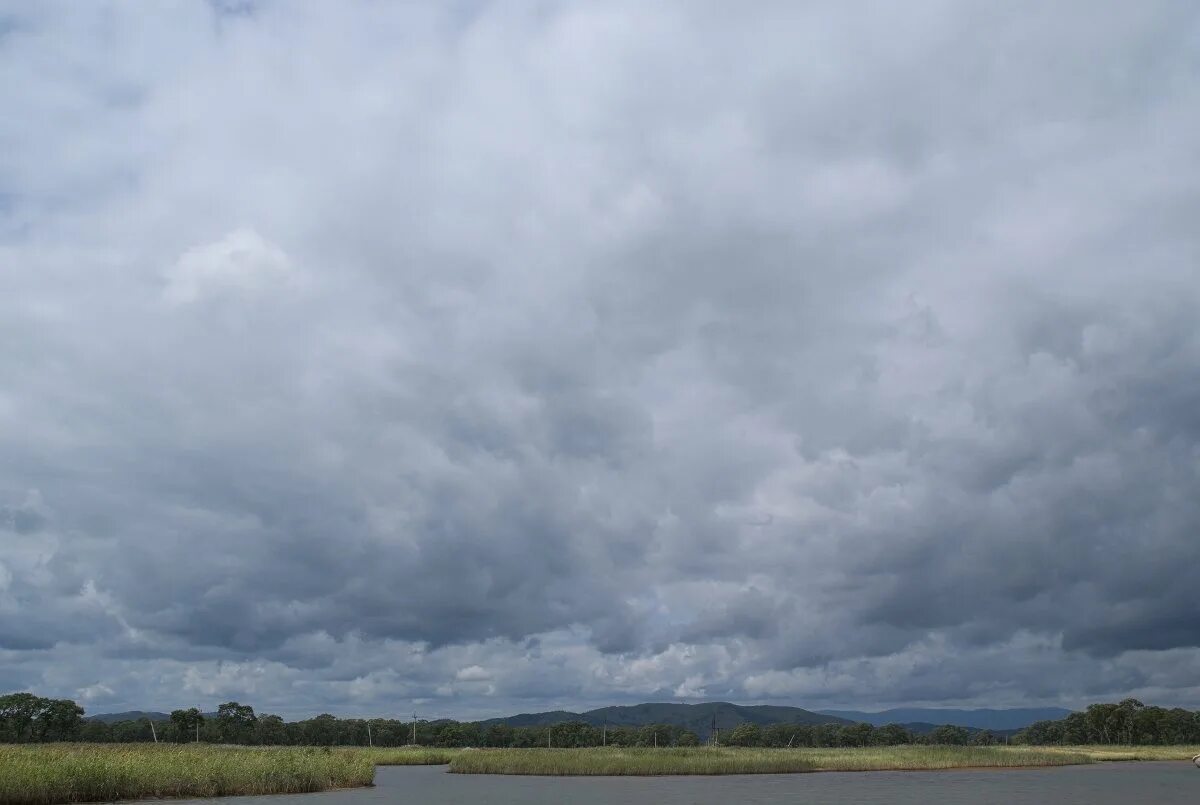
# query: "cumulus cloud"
(241, 262)
(507, 356)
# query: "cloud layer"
(497, 357)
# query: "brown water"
(1100, 784)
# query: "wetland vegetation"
(735, 760)
(41, 774)
(48, 773)
(50, 754)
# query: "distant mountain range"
(696, 717)
(1008, 719)
(699, 717)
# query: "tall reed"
(408, 755)
(1110, 752)
(42, 774)
(727, 760)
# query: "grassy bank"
(57, 773)
(727, 760)
(919, 758)
(64, 773)
(1119, 753)
(407, 755)
(635, 762)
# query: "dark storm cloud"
(361, 356)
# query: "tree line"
(27, 718)
(1127, 722)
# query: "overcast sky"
(481, 358)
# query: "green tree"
(498, 735)
(1101, 721)
(1124, 719)
(96, 732)
(892, 735)
(235, 722)
(574, 734)
(136, 731)
(270, 730)
(320, 731)
(58, 720)
(622, 736)
(949, 734)
(185, 724)
(981, 738)
(860, 734)
(1073, 730)
(777, 734)
(17, 713)
(745, 734)
(825, 735)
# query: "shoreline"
(710, 761)
(1097, 764)
(49, 774)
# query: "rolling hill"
(699, 717)
(696, 717)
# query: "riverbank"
(729, 760)
(1109, 753)
(48, 774)
(44, 774)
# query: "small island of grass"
(732, 760)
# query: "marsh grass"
(933, 757)
(45, 774)
(408, 755)
(1119, 753)
(727, 760)
(630, 761)
(61, 773)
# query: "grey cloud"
(795, 353)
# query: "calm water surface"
(1101, 784)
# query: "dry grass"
(1117, 753)
(925, 758)
(64, 773)
(628, 761)
(41, 774)
(408, 755)
(726, 760)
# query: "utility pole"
(370, 740)
(153, 732)
(604, 733)
(547, 737)
(414, 728)
(716, 733)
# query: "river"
(1176, 783)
